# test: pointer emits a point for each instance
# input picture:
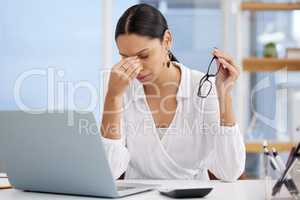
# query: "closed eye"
(143, 56)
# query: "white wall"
(65, 35)
(53, 35)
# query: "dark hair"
(144, 20)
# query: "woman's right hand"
(122, 74)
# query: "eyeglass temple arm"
(209, 65)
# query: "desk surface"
(240, 190)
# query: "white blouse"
(193, 143)
(161, 132)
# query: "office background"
(74, 36)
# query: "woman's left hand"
(227, 75)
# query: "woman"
(154, 126)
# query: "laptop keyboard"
(120, 188)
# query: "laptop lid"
(55, 152)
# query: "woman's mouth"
(143, 78)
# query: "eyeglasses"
(205, 85)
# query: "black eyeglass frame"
(205, 79)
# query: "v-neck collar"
(173, 121)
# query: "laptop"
(59, 152)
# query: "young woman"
(154, 125)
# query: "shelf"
(256, 147)
(253, 64)
(256, 6)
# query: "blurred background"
(52, 52)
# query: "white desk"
(240, 190)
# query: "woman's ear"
(167, 39)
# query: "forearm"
(110, 125)
(227, 117)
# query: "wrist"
(223, 93)
(225, 123)
(227, 117)
(113, 97)
(225, 101)
(224, 97)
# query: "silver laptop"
(58, 153)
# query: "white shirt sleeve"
(228, 158)
(117, 154)
(227, 161)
